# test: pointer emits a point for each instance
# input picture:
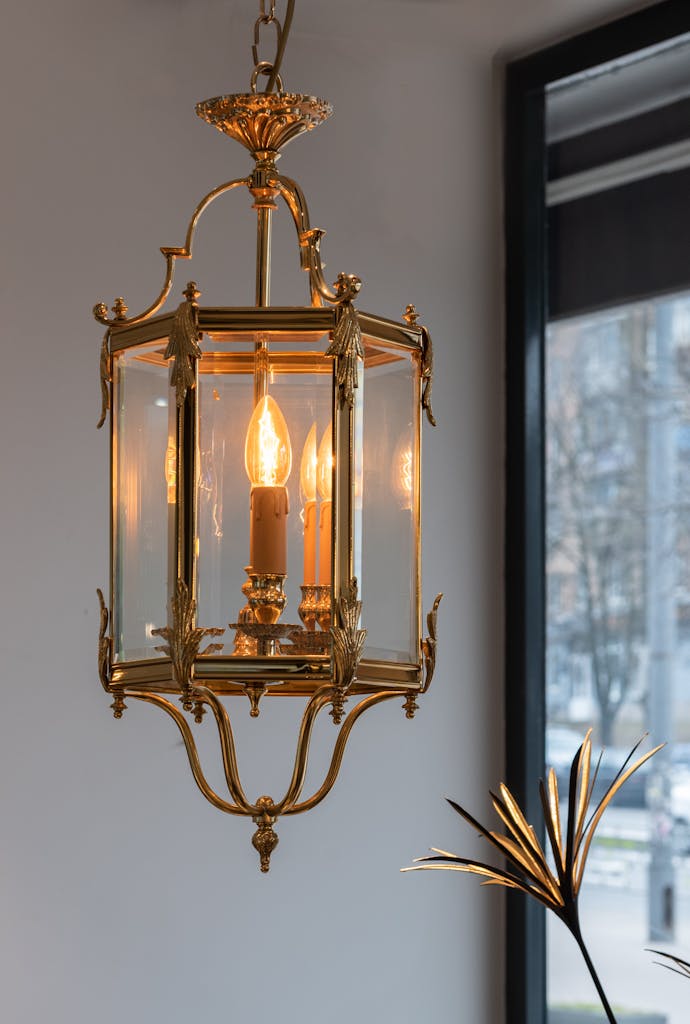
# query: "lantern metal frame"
(201, 676)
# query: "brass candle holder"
(266, 600)
(308, 606)
(324, 601)
(265, 595)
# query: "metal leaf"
(183, 348)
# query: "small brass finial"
(199, 711)
(191, 292)
(338, 707)
(410, 705)
(347, 285)
(118, 705)
(264, 839)
(120, 309)
(411, 316)
(255, 692)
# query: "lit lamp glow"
(307, 479)
(268, 461)
(324, 483)
(403, 474)
(171, 472)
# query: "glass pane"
(617, 468)
(618, 634)
(386, 548)
(299, 382)
(143, 499)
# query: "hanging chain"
(265, 67)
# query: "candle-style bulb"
(307, 470)
(267, 450)
(324, 465)
(324, 484)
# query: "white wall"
(124, 896)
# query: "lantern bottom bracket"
(265, 812)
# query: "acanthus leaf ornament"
(427, 375)
(183, 346)
(429, 644)
(106, 376)
(346, 345)
(103, 644)
(184, 639)
(429, 654)
(348, 644)
(104, 659)
(427, 361)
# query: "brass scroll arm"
(319, 700)
(227, 746)
(192, 753)
(171, 255)
(348, 285)
(339, 749)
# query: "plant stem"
(577, 935)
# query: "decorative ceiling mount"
(262, 122)
(205, 393)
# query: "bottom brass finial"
(255, 692)
(338, 706)
(410, 706)
(264, 839)
(118, 705)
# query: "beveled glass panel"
(144, 467)
(233, 372)
(387, 489)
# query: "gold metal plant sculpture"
(529, 870)
(676, 965)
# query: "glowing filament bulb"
(324, 483)
(267, 450)
(324, 465)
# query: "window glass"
(617, 545)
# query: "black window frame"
(525, 302)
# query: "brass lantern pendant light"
(264, 458)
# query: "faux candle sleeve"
(268, 530)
